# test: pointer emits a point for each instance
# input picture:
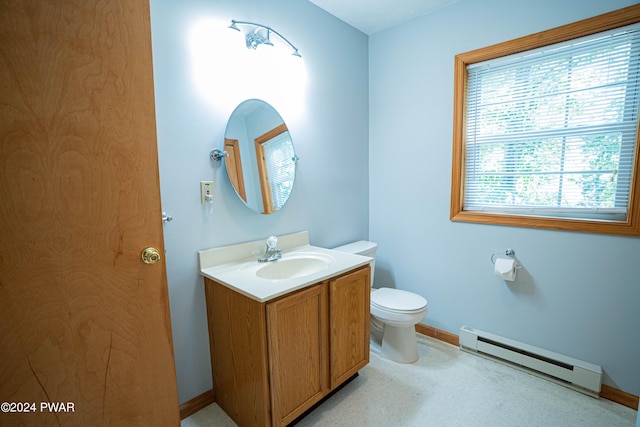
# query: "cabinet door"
(298, 342)
(349, 324)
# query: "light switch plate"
(206, 189)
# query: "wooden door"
(297, 352)
(234, 166)
(349, 297)
(84, 321)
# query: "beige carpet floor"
(448, 387)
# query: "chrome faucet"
(271, 254)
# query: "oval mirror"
(261, 161)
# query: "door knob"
(150, 256)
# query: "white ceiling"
(372, 16)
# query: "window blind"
(278, 153)
(552, 131)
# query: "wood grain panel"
(297, 352)
(273, 361)
(83, 319)
(349, 308)
(237, 337)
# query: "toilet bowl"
(394, 311)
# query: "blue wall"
(202, 72)
(371, 120)
(578, 294)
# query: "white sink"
(296, 265)
(237, 267)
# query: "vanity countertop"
(237, 266)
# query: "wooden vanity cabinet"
(272, 361)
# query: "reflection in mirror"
(261, 164)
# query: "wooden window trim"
(631, 227)
(267, 198)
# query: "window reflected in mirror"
(261, 162)
(274, 152)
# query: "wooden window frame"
(267, 198)
(608, 21)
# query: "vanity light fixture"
(255, 37)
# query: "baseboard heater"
(576, 374)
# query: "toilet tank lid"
(359, 247)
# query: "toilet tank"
(364, 248)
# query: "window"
(545, 129)
(278, 153)
(276, 167)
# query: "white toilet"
(394, 310)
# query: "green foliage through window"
(552, 131)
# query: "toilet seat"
(397, 301)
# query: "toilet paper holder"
(509, 252)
